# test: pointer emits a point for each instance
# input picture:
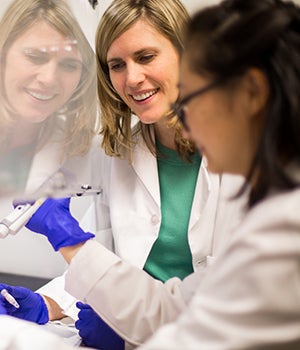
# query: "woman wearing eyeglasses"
(248, 124)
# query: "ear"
(257, 89)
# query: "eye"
(116, 66)
(70, 65)
(36, 57)
(147, 58)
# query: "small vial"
(9, 298)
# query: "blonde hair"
(79, 115)
(169, 17)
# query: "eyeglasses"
(179, 108)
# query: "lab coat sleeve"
(55, 289)
(127, 298)
(96, 219)
(23, 335)
(250, 299)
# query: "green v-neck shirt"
(170, 255)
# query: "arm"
(54, 310)
(94, 274)
(59, 303)
(250, 298)
(151, 303)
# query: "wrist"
(69, 252)
(43, 316)
(54, 310)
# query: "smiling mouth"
(143, 97)
(40, 96)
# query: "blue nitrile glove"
(2, 306)
(95, 332)
(54, 220)
(32, 305)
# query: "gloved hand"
(2, 307)
(54, 220)
(32, 305)
(95, 332)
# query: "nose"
(47, 73)
(135, 74)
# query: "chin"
(214, 168)
(35, 119)
(150, 117)
(149, 120)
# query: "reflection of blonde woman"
(60, 131)
(47, 78)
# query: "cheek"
(116, 81)
(171, 75)
(11, 73)
(71, 83)
(195, 126)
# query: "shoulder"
(279, 207)
(272, 227)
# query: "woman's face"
(143, 68)
(220, 122)
(42, 70)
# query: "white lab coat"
(248, 300)
(249, 297)
(129, 210)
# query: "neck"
(23, 134)
(165, 135)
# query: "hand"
(54, 220)
(32, 305)
(95, 332)
(2, 307)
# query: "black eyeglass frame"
(178, 107)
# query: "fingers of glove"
(88, 321)
(81, 305)
(19, 293)
(6, 286)
(31, 305)
(99, 335)
(89, 317)
(83, 328)
(2, 307)
(51, 208)
(33, 308)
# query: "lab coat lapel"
(145, 166)
(45, 163)
(203, 192)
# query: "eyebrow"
(39, 50)
(112, 60)
(135, 54)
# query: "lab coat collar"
(145, 165)
(203, 189)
